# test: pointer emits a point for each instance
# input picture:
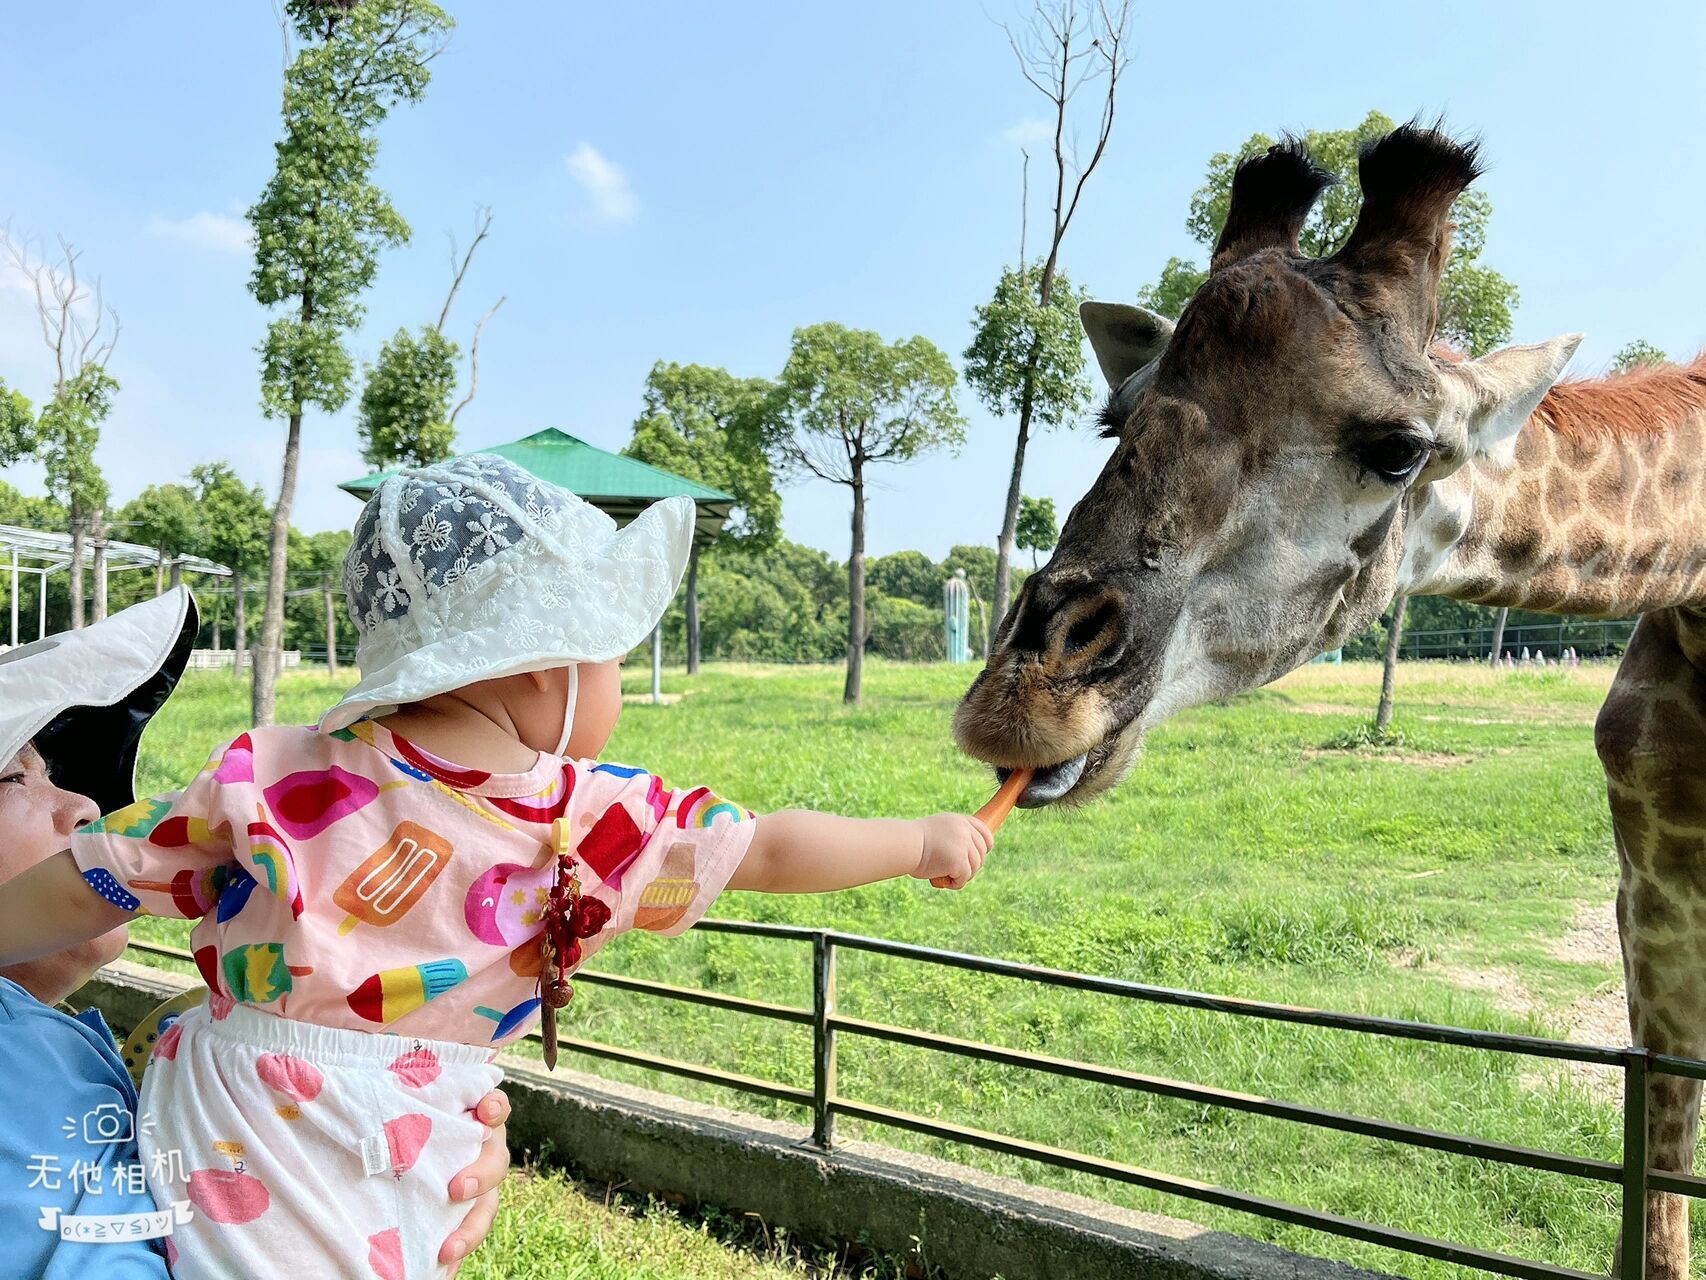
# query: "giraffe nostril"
(1088, 629)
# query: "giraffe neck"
(1587, 520)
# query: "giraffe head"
(1268, 450)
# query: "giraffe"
(1294, 454)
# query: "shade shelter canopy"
(43, 553)
(618, 486)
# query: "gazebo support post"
(657, 665)
(14, 597)
(41, 627)
(693, 610)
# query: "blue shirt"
(68, 1128)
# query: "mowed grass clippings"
(1266, 848)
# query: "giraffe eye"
(1395, 457)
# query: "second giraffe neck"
(1598, 523)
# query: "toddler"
(386, 900)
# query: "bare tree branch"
(1110, 46)
(483, 226)
(283, 36)
(473, 357)
(60, 297)
(1060, 51)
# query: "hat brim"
(659, 542)
(126, 667)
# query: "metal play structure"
(44, 554)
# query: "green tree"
(907, 575)
(707, 425)
(905, 630)
(319, 227)
(778, 604)
(66, 435)
(1476, 302)
(1026, 359)
(18, 436)
(165, 517)
(1635, 354)
(846, 401)
(315, 607)
(1037, 528)
(235, 532)
(405, 418)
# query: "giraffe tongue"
(1051, 783)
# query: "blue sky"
(690, 182)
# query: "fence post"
(823, 1039)
(1633, 1238)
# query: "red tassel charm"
(568, 918)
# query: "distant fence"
(825, 1102)
(1589, 637)
(216, 659)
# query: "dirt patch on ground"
(1472, 720)
(1422, 759)
(1598, 1018)
(1592, 937)
(1326, 708)
(1602, 1016)
(1505, 989)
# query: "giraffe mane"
(1646, 400)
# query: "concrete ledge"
(972, 1225)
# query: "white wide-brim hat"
(84, 697)
(474, 568)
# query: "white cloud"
(1029, 132)
(221, 232)
(605, 185)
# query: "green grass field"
(1459, 877)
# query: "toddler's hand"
(954, 849)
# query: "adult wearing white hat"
(72, 710)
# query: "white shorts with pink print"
(308, 1151)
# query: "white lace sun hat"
(474, 568)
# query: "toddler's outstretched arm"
(798, 851)
(51, 907)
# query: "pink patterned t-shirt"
(353, 880)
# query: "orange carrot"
(1000, 805)
(1006, 796)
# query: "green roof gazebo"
(618, 486)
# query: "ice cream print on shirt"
(353, 879)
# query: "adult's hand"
(479, 1182)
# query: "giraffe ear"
(1124, 338)
(1501, 390)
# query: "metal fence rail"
(1589, 637)
(825, 1102)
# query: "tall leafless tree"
(80, 331)
(1064, 48)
